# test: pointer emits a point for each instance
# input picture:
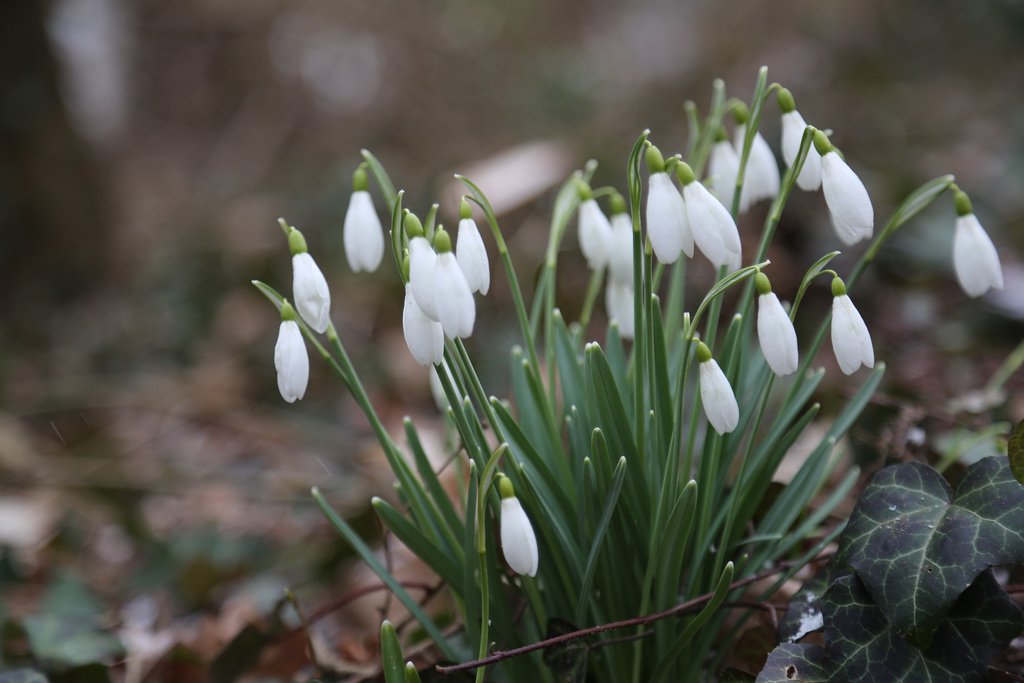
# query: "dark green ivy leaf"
(1015, 450)
(568, 660)
(732, 675)
(917, 546)
(794, 662)
(863, 648)
(803, 614)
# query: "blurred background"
(147, 148)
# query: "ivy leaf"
(23, 676)
(568, 660)
(1015, 450)
(862, 646)
(917, 546)
(803, 615)
(794, 662)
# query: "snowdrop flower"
(716, 393)
(714, 230)
(848, 202)
(851, 340)
(423, 336)
(453, 301)
(975, 258)
(518, 542)
(620, 260)
(667, 226)
(470, 252)
(309, 287)
(595, 232)
(761, 179)
(363, 234)
(793, 127)
(619, 303)
(775, 330)
(723, 167)
(422, 260)
(290, 357)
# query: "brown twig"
(682, 608)
(772, 610)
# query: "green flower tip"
(442, 242)
(685, 173)
(655, 161)
(720, 135)
(838, 286)
(296, 242)
(762, 284)
(359, 182)
(465, 210)
(405, 266)
(505, 488)
(584, 190)
(287, 312)
(618, 204)
(740, 113)
(962, 203)
(786, 101)
(413, 227)
(821, 143)
(703, 352)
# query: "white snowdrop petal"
(620, 258)
(456, 310)
(851, 340)
(975, 259)
(309, 288)
(518, 542)
(472, 257)
(620, 305)
(595, 234)
(848, 202)
(363, 234)
(723, 167)
(422, 260)
(667, 225)
(423, 336)
(291, 361)
(718, 398)
(777, 336)
(793, 127)
(713, 228)
(762, 179)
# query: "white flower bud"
(363, 234)
(423, 336)
(456, 310)
(776, 334)
(717, 395)
(422, 260)
(309, 288)
(975, 258)
(595, 234)
(851, 340)
(620, 305)
(472, 257)
(667, 227)
(713, 228)
(761, 180)
(291, 361)
(723, 167)
(793, 127)
(518, 542)
(852, 214)
(620, 260)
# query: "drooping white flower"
(775, 330)
(723, 167)
(848, 202)
(713, 228)
(716, 393)
(362, 233)
(851, 340)
(595, 233)
(761, 179)
(620, 305)
(290, 357)
(309, 287)
(793, 127)
(518, 542)
(975, 258)
(667, 227)
(620, 258)
(471, 253)
(423, 336)
(456, 310)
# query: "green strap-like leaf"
(391, 654)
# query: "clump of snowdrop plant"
(621, 491)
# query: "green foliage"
(921, 603)
(1015, 451)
